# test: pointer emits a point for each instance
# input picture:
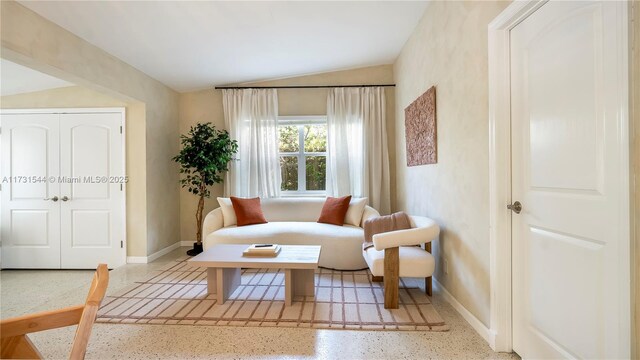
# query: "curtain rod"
(300, 86)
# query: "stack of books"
(262, 250)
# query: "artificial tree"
(205, 156)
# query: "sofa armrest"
(212, 222)
(369, 213)
(425, 231)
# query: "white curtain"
(357, 150)
(251, 117)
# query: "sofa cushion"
(356, 208)
(414, 262)
(292, 209)
(228, 214)
(248, 211)
(334, 210)
(341, 245)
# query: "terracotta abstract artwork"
(420, 130)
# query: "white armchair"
(396, 255)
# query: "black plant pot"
(197, 249)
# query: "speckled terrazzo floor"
(29, 291)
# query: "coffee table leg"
(298, 282)
(228, 280)
(211, 280)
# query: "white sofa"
(293, 221)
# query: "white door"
(571, 289)
(92, 196)
(30, 207)
(62, 190)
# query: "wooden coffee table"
(223, 263)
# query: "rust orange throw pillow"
(334, 210)
(248, 211)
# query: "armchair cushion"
(414, 262)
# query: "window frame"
(300, 122)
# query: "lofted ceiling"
(190, 45)
(17, 79)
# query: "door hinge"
(120, 187)
(120, 129)
(121, 244)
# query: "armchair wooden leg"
(391, 277)
(377, 278)
(428, 281)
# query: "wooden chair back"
(97, 292)
(15, 344)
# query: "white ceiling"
(17, 79)
(191, 45)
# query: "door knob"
(65, 198)
(516, 207)
(54, 199)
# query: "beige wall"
(29, 39)
(635, 91)
(448, 49)
(64, 97)
(77, 97)
(206, 106)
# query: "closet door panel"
(30, 215)
(93, 202)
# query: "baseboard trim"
(137, 260)
(164, 251)
(476, 324)
(154, 256)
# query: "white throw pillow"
(356, 208)
(228, 214)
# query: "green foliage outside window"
(316, 172)
(315, 138)
(289, 139)
(314, 141)
(289, 173)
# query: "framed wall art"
(421, 130)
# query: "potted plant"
(205, 156)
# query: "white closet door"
(92, 202)
(30, 165)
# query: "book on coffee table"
(262, 250)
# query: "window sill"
(293, 194)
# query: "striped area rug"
(177, 294)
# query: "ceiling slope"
(190, 45)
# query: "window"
(303, 154)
